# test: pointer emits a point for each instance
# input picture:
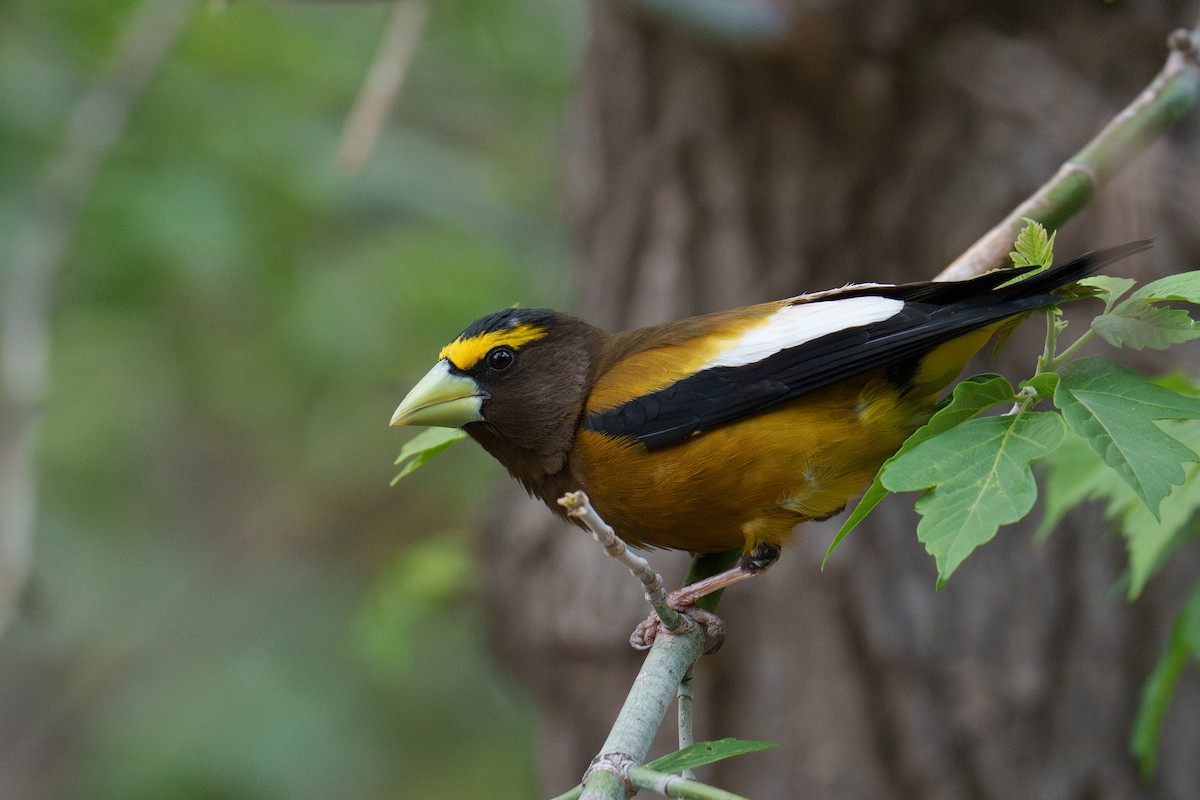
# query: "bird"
(724, 431)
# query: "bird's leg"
(688, 595)
(685, 600)
(757, 560)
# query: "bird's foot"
(646, 632)
(684, 600)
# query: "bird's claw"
(646, 632)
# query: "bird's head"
(516, 381)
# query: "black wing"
(933, 313)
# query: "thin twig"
(684, 696)
(374, 102)
(1172, 93)
(677, 786)
(579, 507)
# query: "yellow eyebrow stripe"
(465, 353)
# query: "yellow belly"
(750, 481)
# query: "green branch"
(1172, 93)
(676, 786)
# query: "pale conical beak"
(442, 399)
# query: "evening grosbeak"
(723, 431)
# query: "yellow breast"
(749, 481)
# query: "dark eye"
(500, 359)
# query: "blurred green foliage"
(227, 601)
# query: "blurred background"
(232, 234)
(224, 599)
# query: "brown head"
(516, 381)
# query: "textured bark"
(874, 141)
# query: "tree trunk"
(872, 141)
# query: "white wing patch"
(794, 325)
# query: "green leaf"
(970, 397)
(1155, 698)
(701, 753)
(424, 446)
(1111, 289)
(1184, 287)
(1151, 540)
(1044, 383)
(1137, 324)
(1178, 381)
(1033, 247)
(1076, 474)
(1114, 408)
(976, 478)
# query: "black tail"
(1045, 282)
(934, 312)
(989, 289)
